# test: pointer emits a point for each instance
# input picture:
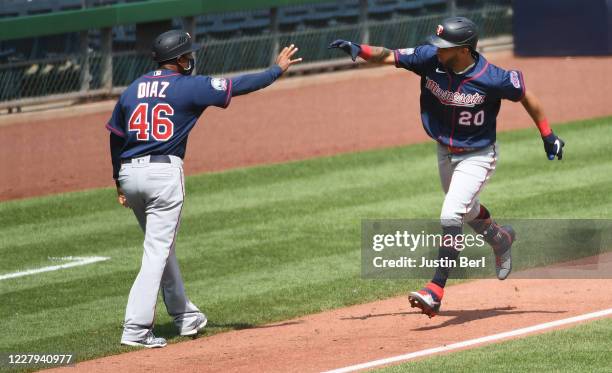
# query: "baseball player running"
(461, 94)
(148, 137)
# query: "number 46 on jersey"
(154, 123)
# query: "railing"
(33, 82)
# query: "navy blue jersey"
(157, 111)
(460, 110)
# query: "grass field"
(583, 348)
(266, 243)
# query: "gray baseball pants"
(463, 176)
(155, 192)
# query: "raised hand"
(349, 47)
(284, 57)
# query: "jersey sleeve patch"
(514, 79)
(512, 85)
(219, 84)
(406, 51)
(210, 91)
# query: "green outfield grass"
(583, 348)
(266, 243)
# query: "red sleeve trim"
(228, 98)
(396, 55)
(114, 130)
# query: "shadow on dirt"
(457, 317)
(464, 316)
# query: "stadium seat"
(433, 6)
(203, 25)
(381, 9)
(257, 22)
(6, 53)
(40, 7)
(410, 7)
(322, 15)
(124, 37)
(289, 18)
(227, 26)
(206, 21)
(349, 12)
(105, 2)
(10, 8)
(8, 14)
(70, 5)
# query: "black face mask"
(189, 69)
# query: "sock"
(482, 222)
(485, 225)
(446, 252)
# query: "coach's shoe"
(428, 299)
(502, 248)
(149, 341)
(196, 326)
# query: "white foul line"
(75, 261)
(472, 342)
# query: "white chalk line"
(472, 342)
(75, 261)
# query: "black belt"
(152, 159)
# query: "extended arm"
(371, 54)
(247, 83)
(553, 145)
(377, 55)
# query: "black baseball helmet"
(455, 32)
(172, 44)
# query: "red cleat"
(428, 299)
